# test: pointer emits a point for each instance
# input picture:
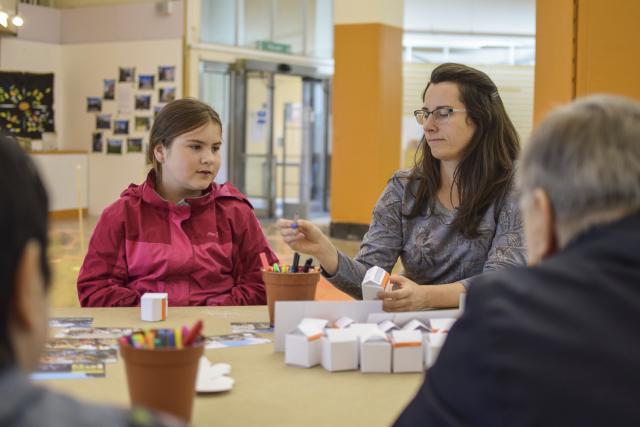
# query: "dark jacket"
(556, 344)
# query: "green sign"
(273, 46)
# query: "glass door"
(257, 158)
(215, 90)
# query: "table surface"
(266, 392)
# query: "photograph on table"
(94, 104)
(166, 94)
(84, 333)
(81, 343)
(234, 340)
(146, 81)
(103, 121)
(134, 145)
(53, 371)
(166, 73)
(70, 322)
(97, 143)
(114, 146)
(82, 356)
(143, 102)
(109, 90)
(260, 327)
(142, 124)
(121, 127)
(127, 74)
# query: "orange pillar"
(367, 109)
(555, 52)
(584, 47)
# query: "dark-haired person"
(178, 232)
(453, 216)
(556, 344)
(24, 280)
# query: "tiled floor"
(66, 252)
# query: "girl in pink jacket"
(178, 232)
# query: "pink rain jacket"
(203, 253)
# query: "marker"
(296, 262)
(193, 334)
(296, 217)
(307, 265)
(178, 334)
(264, 261)
(276, 268)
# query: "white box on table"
(433, 343)
(408, 353)
(154, 306)
(340, 350)
(302, 345)
(375, 352)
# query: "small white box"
(154, 306)
(407, 351)
(416, 325)
(343, 322)
(375, 280)
(433, 343)
(375, 352)
(340, 350)
(387, 326)
(442, 324)
(302, 346)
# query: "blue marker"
(296, 217)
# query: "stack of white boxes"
(381, 347)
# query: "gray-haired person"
(556, 343)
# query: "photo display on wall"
(26, 104)
(125, 110)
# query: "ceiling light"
(17, 21)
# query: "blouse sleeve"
(381, 245)
(507, 248)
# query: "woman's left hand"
(409, 296)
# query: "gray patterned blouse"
(431, 251)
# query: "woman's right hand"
(308, 239)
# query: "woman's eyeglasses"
(440, 115)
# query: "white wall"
(62, 175)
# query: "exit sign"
(273, 46)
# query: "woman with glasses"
(452, 216)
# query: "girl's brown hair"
(485, 171)
(176, 118)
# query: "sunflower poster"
(26, 104)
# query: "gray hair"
(586, 157)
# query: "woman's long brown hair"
(485, 171)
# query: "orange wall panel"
(367, 110)
(608, 47)
(555, 49)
